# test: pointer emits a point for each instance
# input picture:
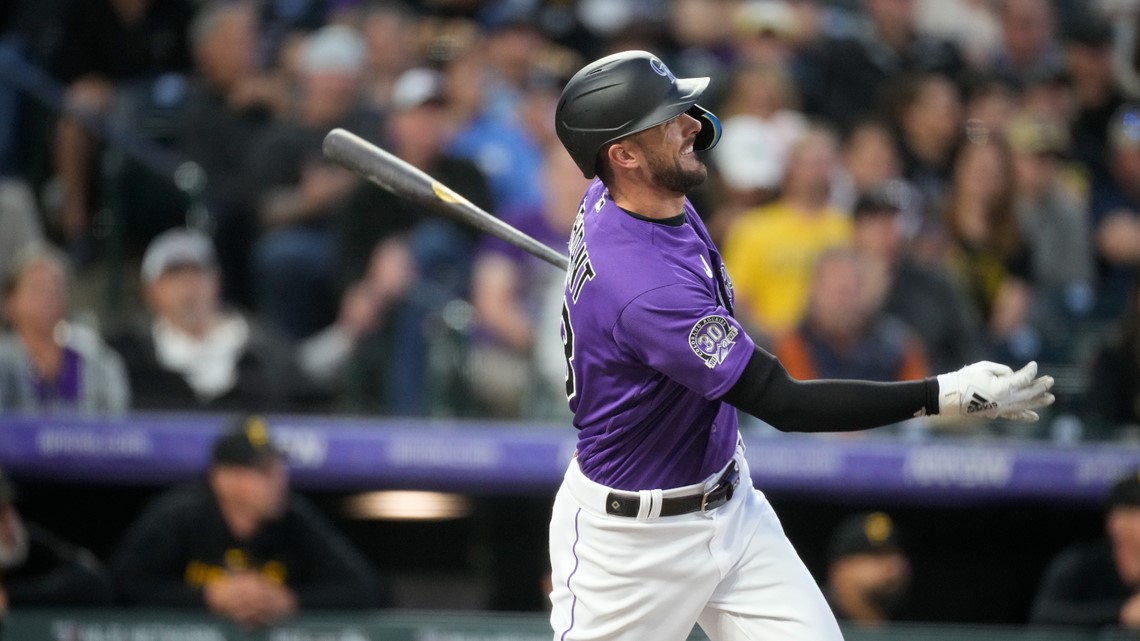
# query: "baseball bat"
(402, 179)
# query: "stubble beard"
(674, 177)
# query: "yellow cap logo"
(257, 431)
(877, 527)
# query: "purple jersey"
(649, 338)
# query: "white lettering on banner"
(73, 631)
(771, 460)
(1102, 470)
(303, 446)
(446, 453)
(72, 441)
(958, 467)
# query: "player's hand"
(1130, 612)
(992, 390)
(276, 602)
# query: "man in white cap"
(194, 353)
(296, 190)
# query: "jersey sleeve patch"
(712, 338)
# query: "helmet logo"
(661, 69)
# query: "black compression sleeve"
(766, 391)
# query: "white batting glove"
(992, 390)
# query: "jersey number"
(568, 350)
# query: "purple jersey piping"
(574, 551)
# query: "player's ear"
(623, 154)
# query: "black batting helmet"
(623, 94)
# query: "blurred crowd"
(903, 187)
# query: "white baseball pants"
(732, 570)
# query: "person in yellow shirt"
(771, 251)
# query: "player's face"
(1124, 531)
(39, 300)
(186, 296)
(669, 155)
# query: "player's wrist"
(933, 394)
(951, 392)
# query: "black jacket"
(170, 552)
(1081, 588)
(268, 378)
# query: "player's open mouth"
(685, 151)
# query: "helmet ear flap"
(709, 135)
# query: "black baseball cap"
(1125, 492)
(245, 444)
(865, 533)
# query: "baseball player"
(656, 525)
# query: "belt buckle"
(728, 484)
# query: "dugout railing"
(159, 625)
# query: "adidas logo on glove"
(979, 404)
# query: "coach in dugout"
(241, 545)
(1097, 584)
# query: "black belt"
(620, 504)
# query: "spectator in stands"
(869, 159)
(868, 573)
(770, 251)
(1095, 93)
(390, 31)
(106, 45)
(507, 146)
(1052, 220)
(1097, 584)
(845, 77)
(231, 103)
(241, 544)
(761, 124)
(844, 334)
(765, 32)
(37, 569)
(927, 111)
(1029, 45)
(1051, 95)
(48, 364)
(192, 352)
(417, 263)
(988, 103)
(511, 46)
(920, 294)
(1112, 396)
(986, 255)
(700, 43)
(516, 370)
(973, 25)
(284, 27)
(1115, 210)
(297, 189)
